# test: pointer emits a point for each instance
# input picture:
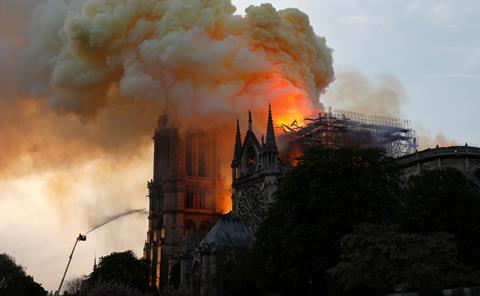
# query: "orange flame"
(291, 110)
(225, 203)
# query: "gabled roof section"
(227, 233)
(250, 137)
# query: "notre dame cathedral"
(188, 234)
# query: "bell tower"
(184, 196)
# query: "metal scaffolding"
(339, 128)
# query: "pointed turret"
(249, 120)
(237, 151)
(270, 143)
(238, 145)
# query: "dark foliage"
(445, 201)
(121, 268)
(375, 260)
(320, 201)
(14, 280)
(74, 287)
(238, 275)
(113, 288)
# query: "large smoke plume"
(82, 88)
(196, 58)
(94, 75)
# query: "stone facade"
(464, 158)
(184, 193)
(256, 168)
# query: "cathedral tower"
(184, 195)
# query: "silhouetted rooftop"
(226, 233)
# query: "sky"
(424, 55)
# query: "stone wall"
(464, 158)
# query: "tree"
(444, 200)
(122, 268)
(14, 280)
(237, 276)
(112, 288)
(376, 260)
(318, 202)
(74, 287)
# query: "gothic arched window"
(189, 199)
(251, 159)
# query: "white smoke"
(352, 90)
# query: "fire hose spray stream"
(115, 217)
(83, 237)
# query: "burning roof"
(339, 128)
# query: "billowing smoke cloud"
(94, 75)
(193, 57)
(354, 91)
(81, 90)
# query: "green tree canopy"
(319, 201)
(14, 280)
(123, 268)
(444, 200)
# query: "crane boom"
(79, 238)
